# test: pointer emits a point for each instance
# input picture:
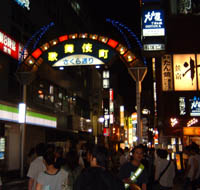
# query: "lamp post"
(138, 73)
(24, 78)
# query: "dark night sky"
(127, 13)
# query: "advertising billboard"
(153, 23)
(80, 52)
(189, 106)
(191, 131)
(10, 46)
(167, 70)
(198, 69)
(180, 72)
(184, 66)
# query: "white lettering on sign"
(153, 23)
(8, 42)
(156, 15)
(182, 105)
(77, 60)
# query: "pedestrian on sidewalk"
(36, 166)
(134, 173)
(73, 167)
(164, 172)
(191, 169)
(52, 178)
(97, 177)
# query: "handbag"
(134, 187)
(157, 185)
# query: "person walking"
(191, 169)
(97, 176)
(36, 166)
(52, 178)
(72, 166)
(164, 172)
(133, 173)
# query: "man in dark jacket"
(97, 176)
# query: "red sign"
(106, 132)
(10, 46)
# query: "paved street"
(22, 185)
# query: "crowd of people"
(85, 166)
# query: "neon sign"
(80, 52)
(75, 60)
(23, 3)
(153, 23)
(182, 106)
(195, 106)
(9, 46)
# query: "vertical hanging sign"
(198, 70)
(185, 78)
(167, 84)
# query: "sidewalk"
(12, 181)
(20, 184)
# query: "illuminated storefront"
(10, 46)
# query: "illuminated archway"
(76, 50)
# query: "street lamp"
(138, 73)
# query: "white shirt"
(167, 178)
(53, 181)
(36, 167)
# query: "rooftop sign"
(153, 23)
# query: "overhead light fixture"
(61, 68)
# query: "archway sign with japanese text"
(78, 50)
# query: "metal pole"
(138, 99)
(138, 74)
(22, 134)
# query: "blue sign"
(153, 23)
(195, 106)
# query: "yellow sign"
(191, 131)
(87, 48)
(198, 70)
(103, 53)
(184, 72)
(167, 73)
(52, 56)
(69, 48)
(178, 161)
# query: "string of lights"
(41, 31)
(119, 25)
